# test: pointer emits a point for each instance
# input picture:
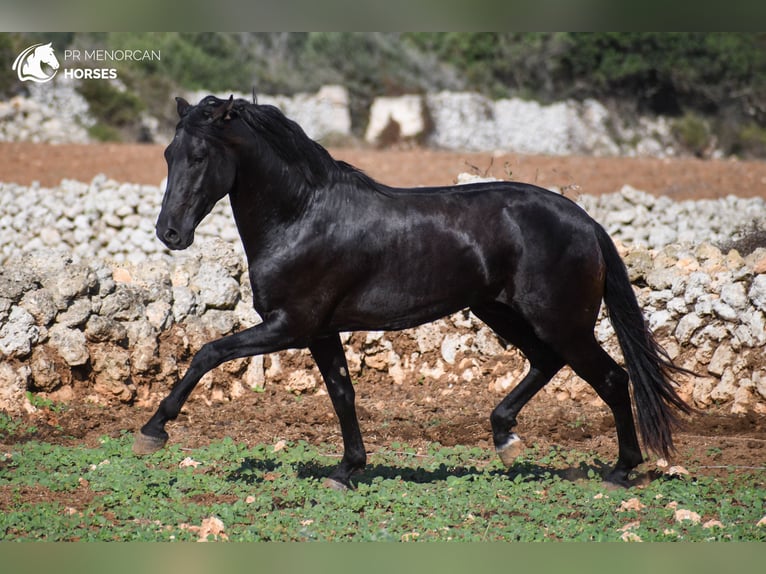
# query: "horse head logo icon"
(29, 64)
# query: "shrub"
(692, 132)
(109, 104)
(746, 240)
(751, 141)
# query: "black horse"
(331, 250)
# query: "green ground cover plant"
(235, 492)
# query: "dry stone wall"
(56, 112)
(52, 114)
(99, 310)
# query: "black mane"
(301, 154)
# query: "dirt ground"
(711, 443)
(683, 178)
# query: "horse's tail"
(648, 364)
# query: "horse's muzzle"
(174, 239)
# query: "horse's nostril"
(169, 236)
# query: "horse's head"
(46, 55)
(201, 169)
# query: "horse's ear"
(182, 106)
(223, 111)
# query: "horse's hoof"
(335, 484)
(511, 450)
(616, 480)
(144, 444)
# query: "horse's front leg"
(267, 337)
(331, 360)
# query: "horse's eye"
(198, 159)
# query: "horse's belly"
(406, 296)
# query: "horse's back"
(409, 256)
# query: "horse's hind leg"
(331, 360)
(544, 363)
(610, 381)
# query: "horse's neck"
(260, 210)
(268, 184)
(33, 65)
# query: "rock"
(759, 381)
(5, 309)
(724, 311)
(436, 372)
(394, 119)
(396, 370)
(184, 303)
(706, 251)
(300, 381)
(379, 360)
(504, 383)
(697, 285)
(70, 344)
(639, 263)
(722, 358)
(101, 329)
(106, 283)
(140, 331)
(124, 304)
(703, 387)
(254, 377)
(245, 314)
(13, 389)
(217, 289)
(687, 326)
(682, 515)
(743, 399)
(14, 281)
(452, 344)
(757, 261)
(76, 315)
(756, 323)
(74, 281)
(487, 343)
(662, 235)
(219, 322)
(714, 332)
(659, 279)
(39, 303)
(734, 295)
(757, 293)
(112, 368)
(704, 305)
(660, 319)
(725, 390)
(354, 361)
(429, 336)
(677, 306)
(144, 356)
(159, 314)
(18, 333)
(47, 373)
(153, 277)
(451, 112)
